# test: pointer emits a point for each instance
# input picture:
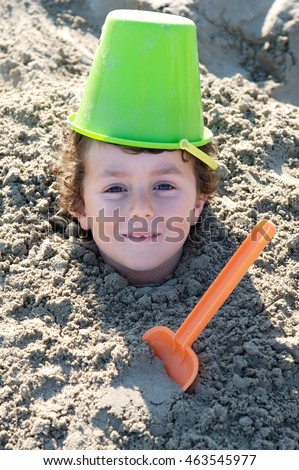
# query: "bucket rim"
(206, 138)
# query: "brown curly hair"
(69, 170)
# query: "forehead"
(104, 159)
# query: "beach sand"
(74, 371)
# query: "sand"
(74, 371)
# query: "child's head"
(132, 171)
(138, 203)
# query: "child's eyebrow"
(169, 170)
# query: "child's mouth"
(139, 237)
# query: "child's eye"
(164, 187)
(115, 189)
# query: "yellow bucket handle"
(185, 145)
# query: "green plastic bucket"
(143, 89)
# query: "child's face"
(139, 208)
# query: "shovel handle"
(224, 284)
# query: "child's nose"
(141, 205)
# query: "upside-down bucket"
(143, 88)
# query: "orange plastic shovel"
(174, 349)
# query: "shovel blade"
(181, 363)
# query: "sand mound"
(74, 372)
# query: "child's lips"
(141, 236)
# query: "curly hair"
(69, 170)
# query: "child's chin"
(142, 268)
